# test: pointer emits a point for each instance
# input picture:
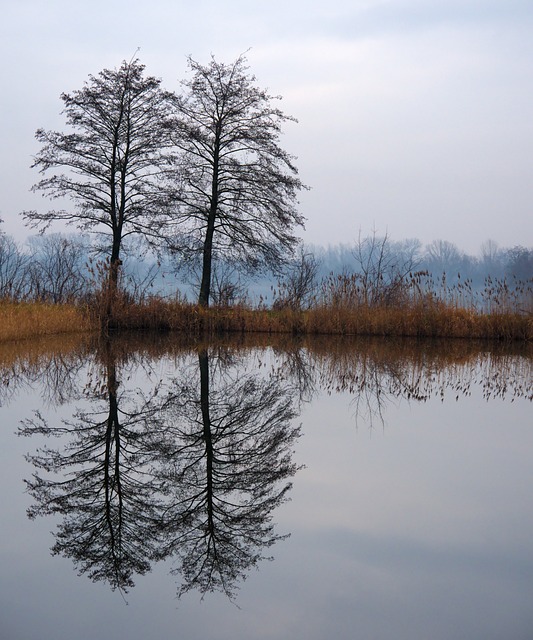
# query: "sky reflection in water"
(411, 519)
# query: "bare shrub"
(13, 274)
(298, 288)
(56, 268)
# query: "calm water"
(363, 489)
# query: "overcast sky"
(415, 116)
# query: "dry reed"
(425, 317)
(20, 320)
(420, 319)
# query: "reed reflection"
(376, 373)
(190, 468)
(52, 365)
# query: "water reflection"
(377, 372)
(226, 458)
(102, 484)
(191, 468)
(53, 364)
(190, 463)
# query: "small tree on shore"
(109, 162)
(298, 287)
(382, 267)
(235, 189)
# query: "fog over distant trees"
(59, 268)
(437, 257)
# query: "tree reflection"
(227, 460)
(191, 469)
(106, 492)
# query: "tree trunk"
(112, 285)
(205, 287)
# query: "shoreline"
(21, 320)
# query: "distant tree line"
(60, 268)
(437, 257)
(378, 271)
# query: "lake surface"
(304, 490)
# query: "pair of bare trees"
(200, 173)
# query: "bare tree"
(57, 268)
(443, 256)
(299, 284)
(382, 268)
(519, 262)
(109, 161)
(227, 286)
(13, 263)
(236, 187)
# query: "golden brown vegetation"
(20, 320)
(414, 306)
(339, 310)
(421, 319)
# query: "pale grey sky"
(415, 117)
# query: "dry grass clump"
(20, 320)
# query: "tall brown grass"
(419, 308)
(20, 320)
(424, 318)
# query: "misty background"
(58, 267)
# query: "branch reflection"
(226, 459)
(100, 480)
(191, 468)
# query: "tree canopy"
(109, 161)
(234, 189)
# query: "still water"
(274, 490)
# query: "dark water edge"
(158, 343)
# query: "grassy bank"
(20, 320)
(24, 320)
